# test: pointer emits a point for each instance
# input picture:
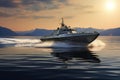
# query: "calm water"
(27, 58)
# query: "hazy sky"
(20, 15)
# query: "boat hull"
(73, 38)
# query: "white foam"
(38, 43)
(13, 40)
(96, 45)
(32, 43)
(53, 44)
(18, 42)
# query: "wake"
(15, 42)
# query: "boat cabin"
(64, 29)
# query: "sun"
(110, 5)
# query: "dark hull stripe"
(78, 39)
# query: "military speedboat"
(67, 34)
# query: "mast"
(62, 24)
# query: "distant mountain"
(43, 32)
(23, 33)
(39, 32)
(111, 32)
(6, 32)
(88, 30)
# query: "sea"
(28, 58)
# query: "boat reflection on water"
(65, 55)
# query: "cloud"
(34, 5)
(23, 7)
(38, 5)
(5, 14)
(30, 8)
(90, 12)
(68, 17)
(43, 17)
(7, 4)
(85, 9)
(36, 17)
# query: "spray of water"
(96, 45)
(18, 42)
(38, 43)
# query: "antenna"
(62, 21)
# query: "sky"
(22, 15)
